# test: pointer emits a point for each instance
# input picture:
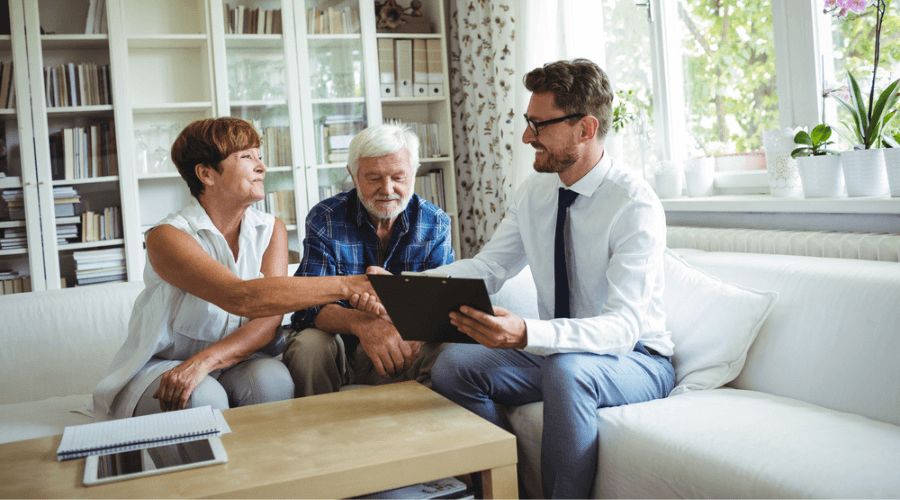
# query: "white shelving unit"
(175, 61)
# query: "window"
(709, 77)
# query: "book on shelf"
(11, 282)
(280, 204)
(101, 226)
(76, 84)
(336, 132)
(332, 20)
(275, 144)
(430, 187)
(242, 20)
(99, 266)
(7, 181)
(84, 152)
(145, 431)
(7, 84)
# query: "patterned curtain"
(482, 81)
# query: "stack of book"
(11, 282)
(429, 141)
(67, 201)
(67, 229)
(101, 226)
(13, 238)
(332, 21)
(430, 186)
(335, 134)
(276, 144)
(246, 21)
(70, 84)
(99, 266)
(84, 152)
(7, 86)
(15, 203)
(280, 204)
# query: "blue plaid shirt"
(341, 241)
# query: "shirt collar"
(199, 220)
(587, 185)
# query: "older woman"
(205, 329)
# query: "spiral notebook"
(134, 433)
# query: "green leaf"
(800, 152)
(820, 134)
(885, 101)
(857, 129)
(859, 103)
(803, 138)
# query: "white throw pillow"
(713, 324)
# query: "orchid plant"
(869, 122)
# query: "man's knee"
(451, 364)
(309, 349)
(265, 380)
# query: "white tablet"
(100, 469)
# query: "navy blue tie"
(561, 278)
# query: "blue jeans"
(572, 387)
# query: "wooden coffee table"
(331, 446)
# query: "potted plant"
(820, 168)
(864, 168)
(892, 160)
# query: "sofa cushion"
(72, 333)
(728, 443)
(713, 324)
(35, 419)
(831, 340)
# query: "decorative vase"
(784, 176)
(699, 176)
(821, 176)
(669, 177)
(892, 165)
(865, 173)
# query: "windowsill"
(774, 204)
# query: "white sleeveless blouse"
(169, 325)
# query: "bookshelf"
(308, 85)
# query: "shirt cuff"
(540, 335)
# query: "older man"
(381, 222)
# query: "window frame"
(803, 51)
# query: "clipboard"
(420, 306)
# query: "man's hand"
(177, 385)
(390, 354)
(503, 330)
(377, 270)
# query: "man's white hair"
(380, 140)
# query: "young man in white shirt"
(601, 340)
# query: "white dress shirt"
(169, 325)
(615, 238)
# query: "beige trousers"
(319, 363)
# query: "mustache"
(387, 198)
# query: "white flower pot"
(865, 173)
(822, 176)
(892, 165)
(784, 177)
(699, 176)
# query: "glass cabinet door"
(335, 92)
(262, 88)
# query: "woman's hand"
(177, 385)
(362, 295)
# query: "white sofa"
(814, 412)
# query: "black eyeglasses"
(534, 126)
